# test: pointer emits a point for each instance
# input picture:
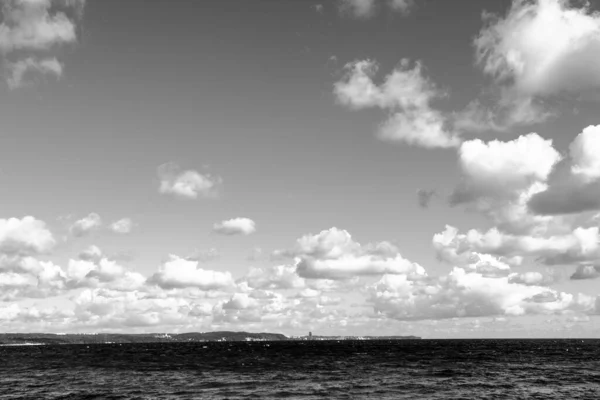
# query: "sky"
(346, 167)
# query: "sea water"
(403, 369)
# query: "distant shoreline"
(29, 339)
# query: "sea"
(378, 369)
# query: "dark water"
(425, 369)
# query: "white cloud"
(181, 273)
(235, 226)
(407, 94)
(466, 294)
(582, 244)
(542, 47)
(37, 27)
(85, 225)
(332, 254)
(499, 168)
(25, 236)
(122, 226)
(585, 154)
(188, 184)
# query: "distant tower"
(309, 335)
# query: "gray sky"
(256, 166)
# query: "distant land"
(221, 336)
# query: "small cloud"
(403, 6)
(358, 8)
(364, 9)
(424, 197)
(586, 272)
(235, 226)
(319, 8)
(122, 226)
(92, 253)
(85, 225)
(17, 71)
(188, 184)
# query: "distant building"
(309, 335)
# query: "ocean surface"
(408, 369)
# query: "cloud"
(363, 9)
(91, 253)
(332, 254)
(122, 226)
(499, 169)
(582, 244)
(586, 272)
(403, 6)
(358, 8)
(85, 225)
(235, 226)
(276, 277)
(424, 197)
(576, 189)
(181, 273)
(26, 236)
(539, 50)
(188, 184)
(18, 70)
(542, 47)
(406, 94)
(500, 177)
(318, 8)
(466, 294)
(32, 28)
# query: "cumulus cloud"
(499, 178)
(540, 49)
(466, 294)
(122, 226)
(577, 189)
(407, 94)
(181, 273)
(235, 226)
(26, 236)
(33, 29)
(86, 225)
(500, 169)
(333, 254)
(582, 244)
(188, 184)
